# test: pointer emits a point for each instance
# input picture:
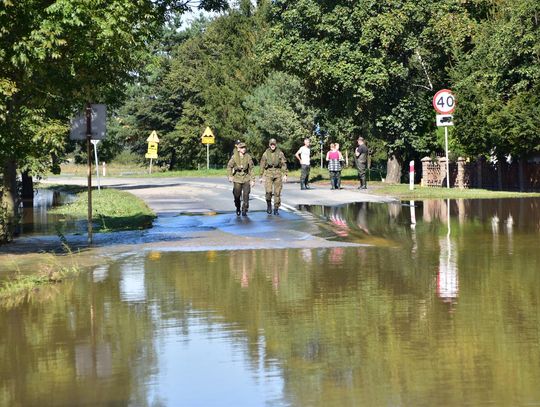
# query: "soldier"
(274, 170)
(240, 172)
(361, 158)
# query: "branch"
(425, 71)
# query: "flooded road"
(439, 305)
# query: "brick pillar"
(442, 172)
(425, 172)
(460, 180)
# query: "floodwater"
(441, 306)
(36, 220)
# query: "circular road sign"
(444, 101)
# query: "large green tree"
(498, 83)
(212, 74)
(376, 63)
(279, 108)
(58, 55)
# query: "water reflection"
(37, 220)
(318, 327)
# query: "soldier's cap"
(237, 142)
(241, 144)
(272, 141)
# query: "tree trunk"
(8, 204)
(27, 190)
(393, 169)
(521, 174)
(499, 175)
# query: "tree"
(57, 56)
(212, 74)
(279, 108)
(372, 62)
(498, 83)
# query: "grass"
(20, 288)
(402, 191)
(112, 210)
(134, 170)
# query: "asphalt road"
(172, 196)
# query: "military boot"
(364, 183)
(269, 207)
(237, 208)
(276, 211)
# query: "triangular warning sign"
(208, 132)
(153, 137)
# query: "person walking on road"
(334, 159)
(240, 173)
(303, 155)
(361, 158)
(274, 171)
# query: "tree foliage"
(498, 83)
(56, 56)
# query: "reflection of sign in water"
(447, 277)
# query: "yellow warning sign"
(151, 155)
(208, 136)
(152, 147)
(153, 137)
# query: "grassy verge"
(133, 170)
(20, 288)
(402, 191)
(112, 210)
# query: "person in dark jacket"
(361, 159)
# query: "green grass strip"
(112, 210)
(402, 191)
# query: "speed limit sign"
(444, 101)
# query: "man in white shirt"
(303, 156)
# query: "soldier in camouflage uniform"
(240, 172)
(274, 171)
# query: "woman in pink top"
(334, 159)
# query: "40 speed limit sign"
(444, 101)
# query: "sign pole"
(447, 164)
(411, 175)
(89, 170)
(150, 169)
(208, 156)
(95, 143)
(444, 103)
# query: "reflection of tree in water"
(367, 330)
(79, 345)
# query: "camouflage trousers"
(241, 191)
(273, 185)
